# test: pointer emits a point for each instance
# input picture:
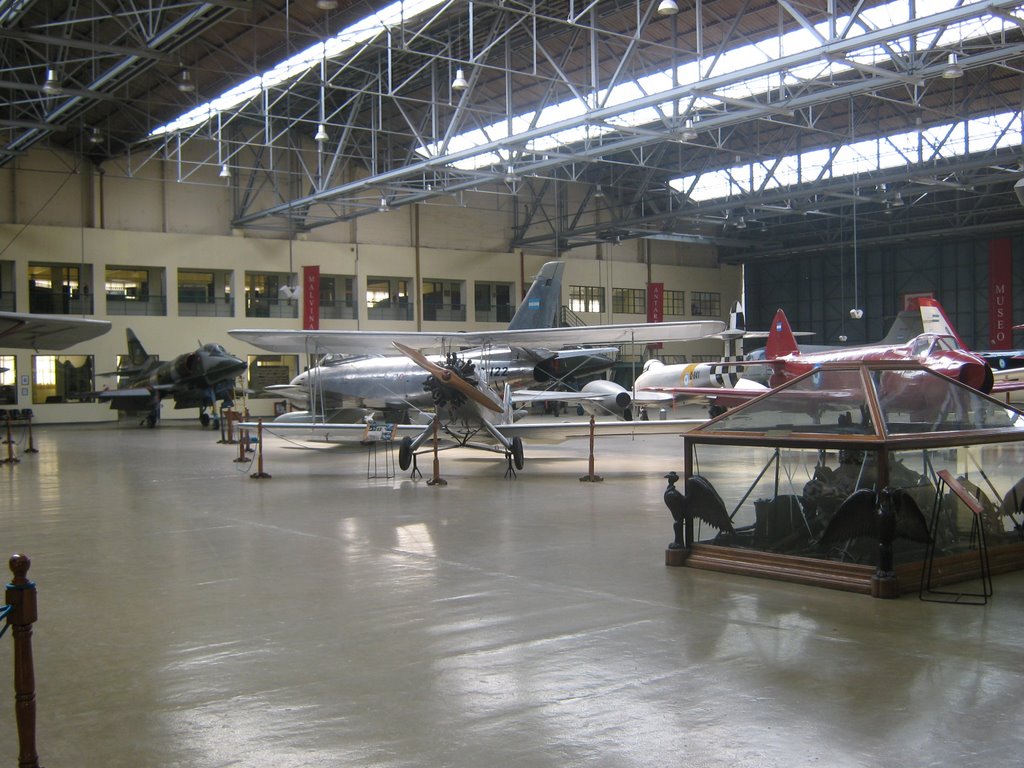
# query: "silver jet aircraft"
(474, 361)
(349, 387)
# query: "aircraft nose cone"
(976, 375)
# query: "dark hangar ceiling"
(391, 120)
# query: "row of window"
(590, 298)
(65, 289)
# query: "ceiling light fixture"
(52, 85)
(321, 134)
(384, 206)
(689, 133)
(742, 223)
(460, 83)
(95, 136)
(185, 84)
(598, 192)
(668, 8)
(326, 5)
(953, 69)
(225, 172)
(897, 200)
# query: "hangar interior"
(173, 167)
(843, 156)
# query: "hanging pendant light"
(52, 86)
(953, 69)
(460, 83)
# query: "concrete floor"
(192, 616)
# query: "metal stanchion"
(590, 477)
(28, 417)
(259, 474)
(11, 458)
(436, 479)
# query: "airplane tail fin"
(781, 341)
(136, 352)
(934, 320)
(539, 309)
(734, 333)
(906, 326)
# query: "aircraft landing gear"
(407, 457)
(515, 457)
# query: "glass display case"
(855, 476)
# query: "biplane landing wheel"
(204, 419)
(517, 452)
(405, 453)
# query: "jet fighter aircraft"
(194, 380)
(785, 361)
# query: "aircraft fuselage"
(397, 382)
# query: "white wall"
(54, 211)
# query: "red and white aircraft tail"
(781, 340)
(934, 320)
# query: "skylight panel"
(294, 67)
(863, 157)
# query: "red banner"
(311, 298)
(1000, 294)
(655, 302)
(655, 307)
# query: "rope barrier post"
(11, 458)
(225, 414)
(246, 443)
(436, 479)
(21, 597)
(259, 474)
(590, 477)
(31, 447)
(7, 419)
(243, 438)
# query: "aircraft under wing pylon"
(21, 330)
(365, 342)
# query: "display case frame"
(886, 429)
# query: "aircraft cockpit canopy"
(925, 344)
(215, 349)
(872, 401)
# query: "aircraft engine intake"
(978, 376)
(187, 365)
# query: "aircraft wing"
(556, 431)
(1008, 361)
(375, 341)
(21, 330)
(1005, 386)
(530, 396)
